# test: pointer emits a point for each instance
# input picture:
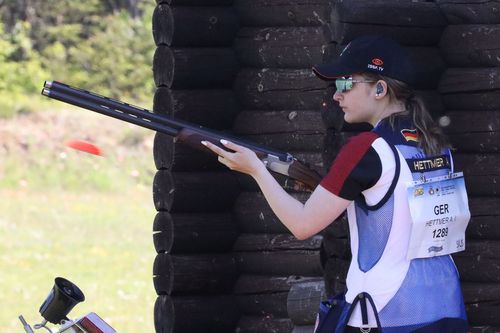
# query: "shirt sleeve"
(356, 168)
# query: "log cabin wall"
(277, 44)
(470, 88)
(194, 67)
(225, 263)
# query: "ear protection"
(380, 89)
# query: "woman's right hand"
(240, 159)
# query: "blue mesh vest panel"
(374, 227)
(421, 299)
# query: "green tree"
(97, 44)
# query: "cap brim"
(330, 72)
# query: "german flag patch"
(410, 135)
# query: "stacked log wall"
(276, 46)
(470, 88)
(224, 260)
(194, 67)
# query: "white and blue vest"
(408, 294)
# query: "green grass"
(99, 241)
(83, 217)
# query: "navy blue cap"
(372, 53)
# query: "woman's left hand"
(239, 159)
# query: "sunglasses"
(344, 84)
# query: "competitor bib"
(440, 214)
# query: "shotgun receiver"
(185, 132)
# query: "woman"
(392, 283)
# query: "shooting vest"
(408, 294)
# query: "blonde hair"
(432, 140)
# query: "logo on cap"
(377, 62)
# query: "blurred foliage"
(100, 45)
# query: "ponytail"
(431, 137)
(432, 140)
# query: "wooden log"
(191, 314)
(303, 302)
(484, 314)
(484, 329)
(275, 242)
(433, 101)
(394, 12)
(282, 47)
(288, 121)
(338, 248)
(193, 233)
(488, 101)
(484, 206)
(478, 164)
(474, 132)
(471, 89)
(484, 227)
(265, 284)
(472, 11)
(335, 275)
(282, 12)
(293, 262)
(303, 329)
(259, 324)
(194, 26)
(480, 292)
(482, 185)
(271, 305)
(482, 300)
(417, 36)
(473, 121)
(282, 130)
(184, 192)
(211, 108)
(410, 23)
(254, 215)
(196, 2)
(482, 173)
(199, 274)
(194, 68)
(429, 66)
(333, 143)
(278, 89)
(265, 294)
(471, 45)
(480, 262)
(478, 142)
(178, 157)
(298, 141)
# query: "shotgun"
(182, 131)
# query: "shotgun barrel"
(183, 131)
